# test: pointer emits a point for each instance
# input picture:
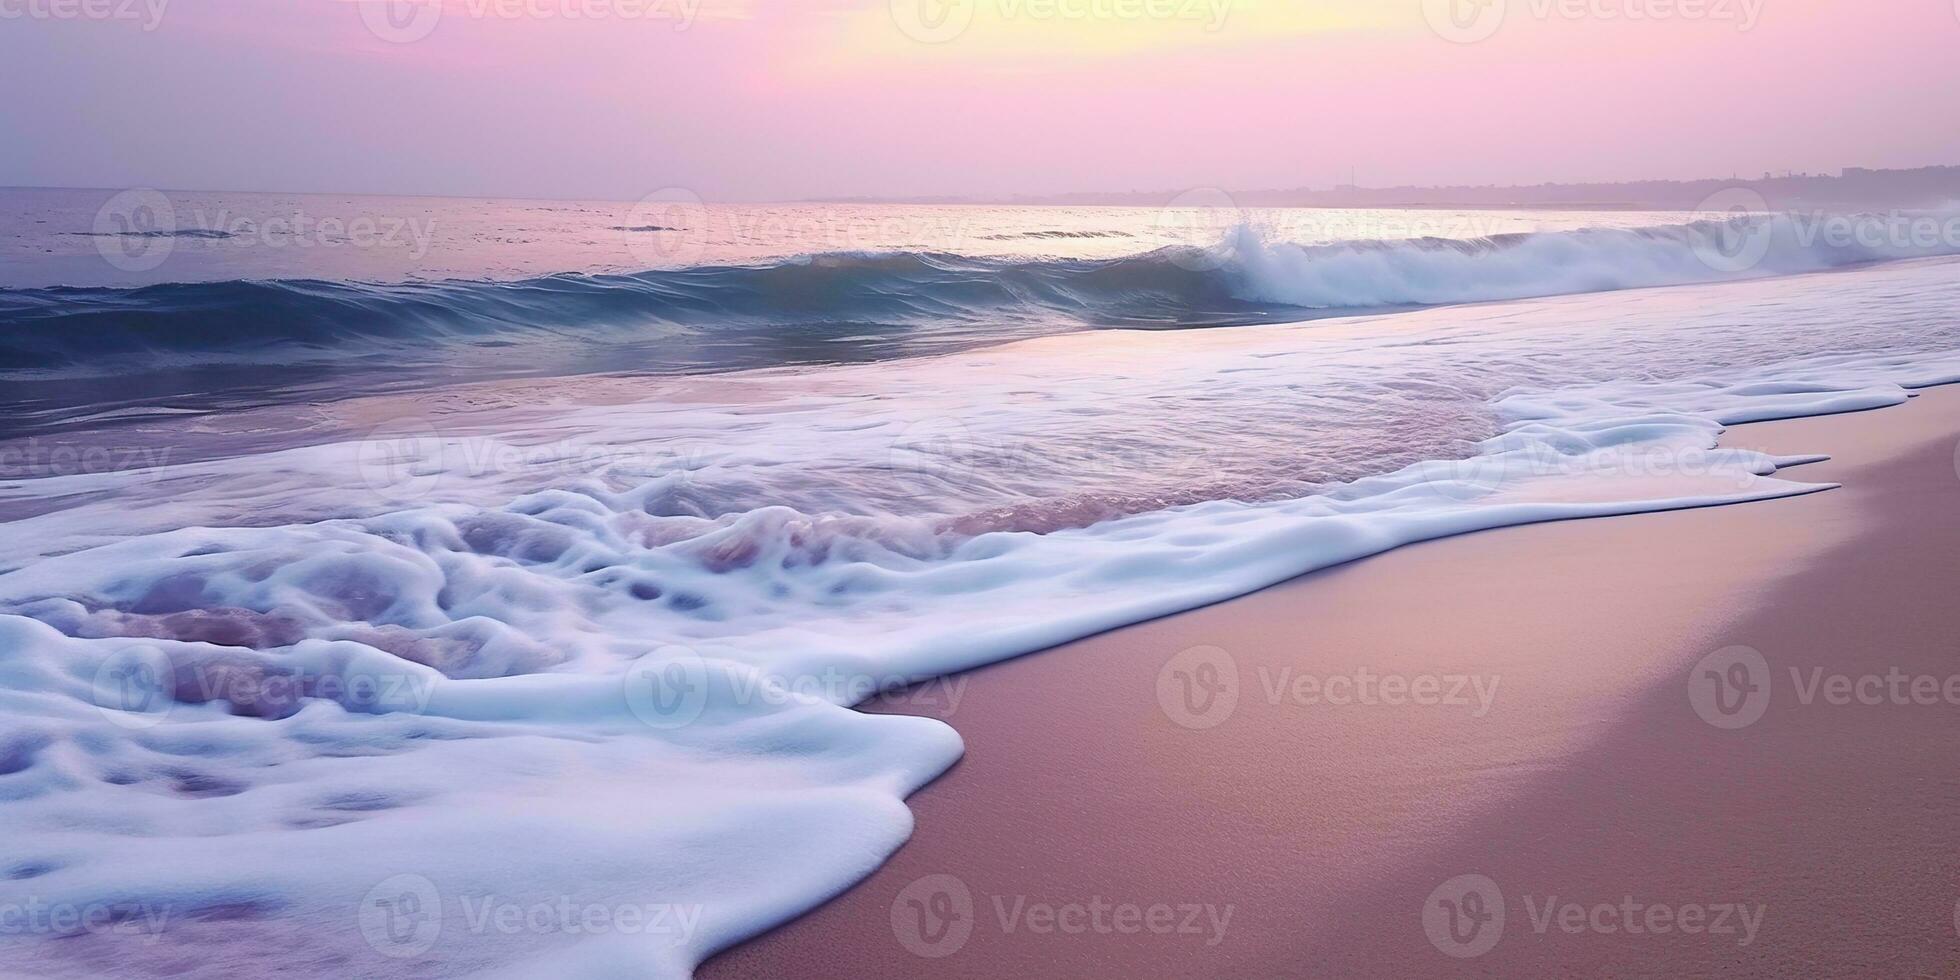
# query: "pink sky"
(779, 99)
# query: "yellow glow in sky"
(1013, 30)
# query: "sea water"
(330, 673)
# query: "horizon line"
(1022, 198)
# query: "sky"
(755, 100)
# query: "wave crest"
(855, 305)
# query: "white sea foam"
(1434, 271)
(330, 745)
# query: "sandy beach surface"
(1713, 742)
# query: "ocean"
(542, 548)
(203, 300)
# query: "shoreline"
(1308, 806)
(1587, 776)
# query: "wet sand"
(1560, 709)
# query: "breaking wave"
(857, 306)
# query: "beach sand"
(1579, 778)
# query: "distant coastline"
(1856, 187)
